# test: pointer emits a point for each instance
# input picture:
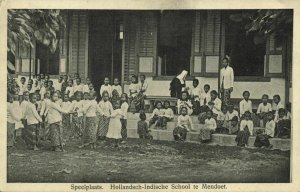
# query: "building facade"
(159, 44)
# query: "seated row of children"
(224, 119)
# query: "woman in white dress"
(114, 129)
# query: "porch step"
(217, 139)
(172, 124)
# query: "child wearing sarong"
(246, 130)
(77, 118)
(210, 126)
(124, 109)
(44, 132)
(283, 124)
(115, 126)
(90, 130)
(66, 118)
(55, 120)
(31, 131)
(184, 125)
(107, 109)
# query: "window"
(246, 53)
(48, 62)
(174, 42)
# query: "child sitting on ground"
(262, 139)
(185, 102)
(184, 125)
(246, 129)
(157, 116)
(142, 127)
(263, 109)
(210, 126)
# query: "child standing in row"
(66, 118)
(107, 109)
(115, 126)
(116, 91)
(31, 131)
(90, 130)
(77, 118)
(124, 109)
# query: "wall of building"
(257, 89)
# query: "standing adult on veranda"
(226, 81)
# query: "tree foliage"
(266, 22)
(27, 25)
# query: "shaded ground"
(136, 161)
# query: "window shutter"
(147, 42)
(79, 43)
(206, 43)
(274, 65)
(130, 25)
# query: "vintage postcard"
(149, 95)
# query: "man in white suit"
(226, 81)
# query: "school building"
(161, 43)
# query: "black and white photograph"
(149, 96)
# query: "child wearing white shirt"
(215, 103)
(31, 131)
(185, 102)
(184, 124)
(78, 87)
(66, 118)
(263, 108)
(107, 109)
(245, 104)
(157, 115)
(85, 87)
(90, 109)
(124, 109)
(116, 91)
(77, 118)
(70, 88)
(246, 129)
(262, 139)
(106, 87)
(13, 116)
(195, 96)
(210, 126)
(276, 105)
(168, 114)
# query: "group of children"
(64, 110)
(67, 110)
(220, 118)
